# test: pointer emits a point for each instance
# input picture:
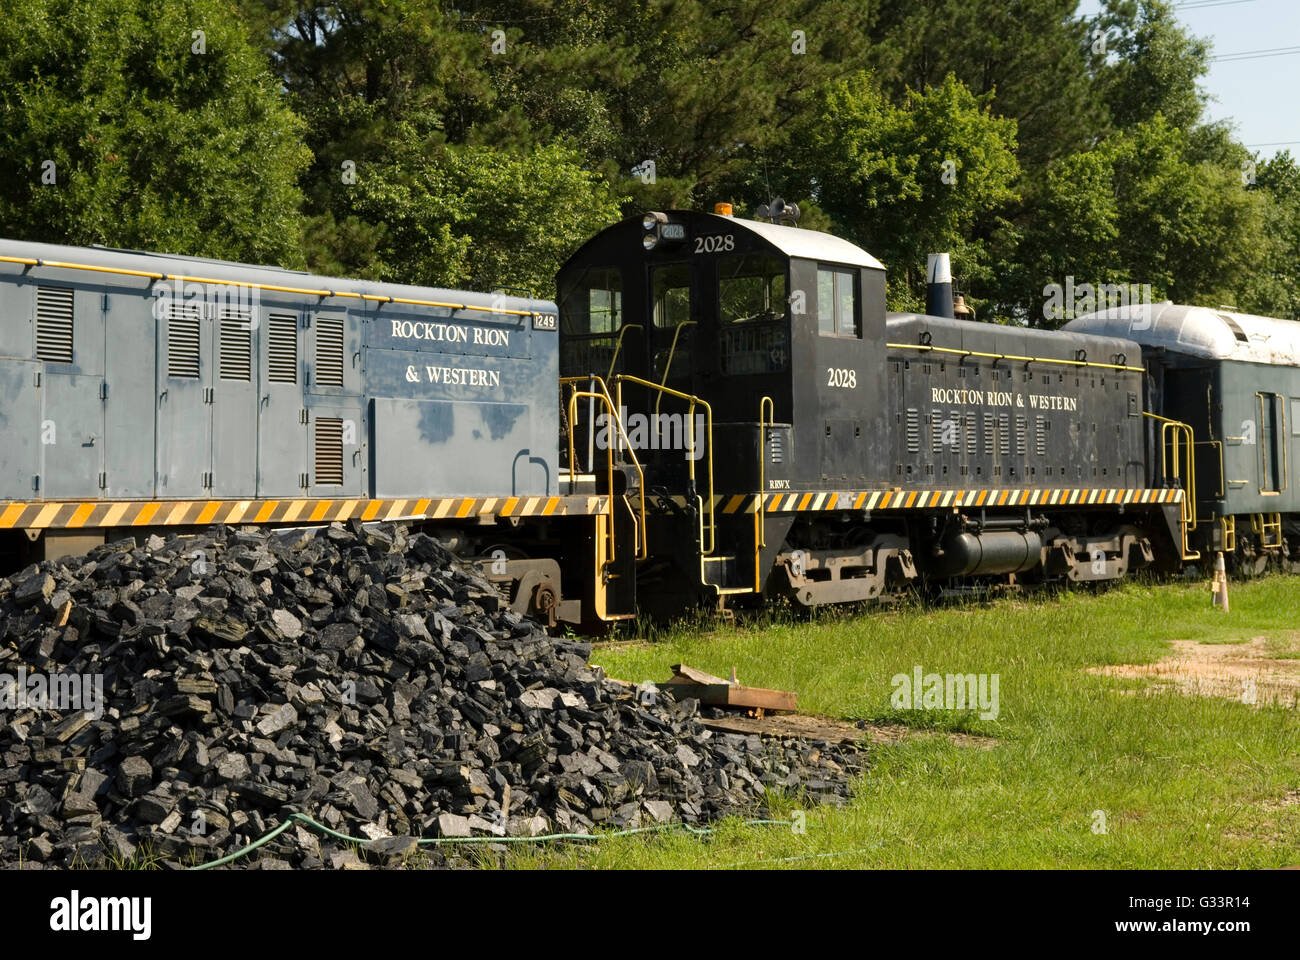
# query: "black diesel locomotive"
(848, 451)
(739, 419)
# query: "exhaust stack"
(938, 286)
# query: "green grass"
(1182, 781)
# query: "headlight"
(649, 241)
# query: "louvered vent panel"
(990, 433)
(1040, 437)
(329, 352)
(1004, 434)
(913, 430)
(236, 358)
(776, 447)
(183, 329)
(1022, 436)
(972, 435)
(54, 324)
(282, 341)
(329, 452)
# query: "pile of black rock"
(173, 701)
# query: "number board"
(722, 243)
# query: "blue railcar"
(136, 375)
(1231, 383)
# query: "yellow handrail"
(1263, 524)
(1228, 526)
(573, 412)
(618, 345)
(690, 420)
(765, 406)
(1010, 356)
(766, 418)
(306, 291)
(1173, 430)
(642, 540)
(672, 351)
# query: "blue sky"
(1260, 96)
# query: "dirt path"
(1256, 671)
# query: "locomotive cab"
(745, 360)
(779, 331)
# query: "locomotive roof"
(788, 241)
(1198, 331)
(226, 271)
(806, 244)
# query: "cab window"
(837, 302)
(751, 288)
(752, 307)
(672, 294)
(593, 304)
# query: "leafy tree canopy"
(146, 123)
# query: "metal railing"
(277, 288)
(668, 365)
(1178, 440)
(692, 403)
(1266, 524)
(766, 420)
(602, 396)
(618, 345)
(1084, 362)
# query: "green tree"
(1274, 288)
(1156, 68)
(904, 181)
(476, 217)
(145, 123)
(698, 88)
(1138, 209)
(1035, 57)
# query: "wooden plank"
(729, 695)
(694, 676)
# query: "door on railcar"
(70, 344)
(1272, 436)
(234, 402)
(183, 454)
(282, 423)
(336, 426)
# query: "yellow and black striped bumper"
(940, 499)
(53, 515)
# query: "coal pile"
(355, 674)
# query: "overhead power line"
(1256, 54)
(1209, 3)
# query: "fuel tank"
(993, 551)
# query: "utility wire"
(438, 841)
(1256, 54)
(1209, 3)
